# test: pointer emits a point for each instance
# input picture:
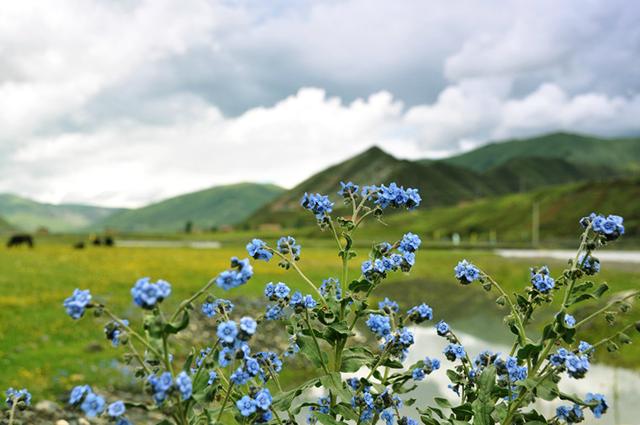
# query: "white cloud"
(119, 103)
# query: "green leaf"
(326, 419)
(174, 328)
(353, 358)
(283, 400)
(529, 351)
(483, 405)
(333, 382)
(360, 285)
(310, 350)
(442, 402)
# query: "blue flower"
(431, 364)
(246, 405)
(409, 243)
(317, 204)
(396, 197)
(388, 305)
(77, 393)
(466, 272)
(600, 407)
(14, 396)
(387, 416)
(257, 249)
(454, 351)
(299, 302)
(263, 399)
(278, 291)
(240, 273)
(584, 347)
(93, 405)
(112, 331)
(147, 294)
(577, 366)
(274, 312)
(379, 324)
(442, 328)
(330, 286)
(77, 303)
(589, 264)
(248, 325)
(420, 313)
(227, 331)
(218, 306)
(559, 357)
(160, 386)
(116, 409)
(347, 189)
(541, 280)
(569, 320)
(183, 382)
(287, 244)
(418, 374)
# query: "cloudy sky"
(122, 102)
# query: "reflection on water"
(143, 243)
(562, 254)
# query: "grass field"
(43, 349)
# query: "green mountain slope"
(29, 215)
(439, 183)
(207, 208)
(526, 173)
(5, 227)
(623, 154)
(510, 216)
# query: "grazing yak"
(20, 239)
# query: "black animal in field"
(20, 239)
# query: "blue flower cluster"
(397, 343)
(331, 287)
(301, 302)
(76, 304)
(389, 306)
(569, 414)
(279, 293)
(160, 386)
(420, 313)
(323, 406)
(90, 403)
(379, 324)
(218, 306)
(113, 332)
(510, 372)
(318, 204)
(589, 264)
(427, 366)
(576, 365)
(454, 351)
(395, 196)
(404, 260)
(258, 250)
(258, 403)
(466, 272)
(288, 245)
(16, 396)
(183, 383)
(384, 404)
(116, 409)
(610, 227)
(147, 294)
(541, 280)
(569, 320)
(239, 274)
(598, 404)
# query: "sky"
(125, 102)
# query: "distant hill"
(207, 208)
(438, 182)
(29, 215)
(623, 154)
(510, 215)
(5, 227)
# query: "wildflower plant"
(225, 381)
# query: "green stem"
(315, 341)
(188, 301)
(13, 411)
(131, 332)
(522, 334)
(605, 340)
(606, 307)
(224, 403)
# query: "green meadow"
(43, 349)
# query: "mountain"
(439, 184)
(29, 215)
(510, 216)
(207, 208)
(622, 154)
(5, 227)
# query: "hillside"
(29, 215)
(510, 216)
(439, 183)
(5, 227)
(623, 154)
(207, 208)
